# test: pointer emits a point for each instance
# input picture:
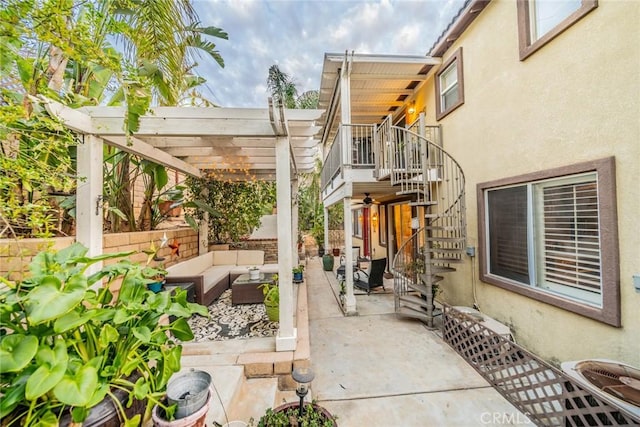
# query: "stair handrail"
(424, 169)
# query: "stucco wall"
(576, 99)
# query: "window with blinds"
(568, 242)
(546, 235)
(552, 236)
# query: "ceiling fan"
(365, 203)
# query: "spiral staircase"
(420, 168)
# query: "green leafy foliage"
(67, 344)
(61, 49)
(235, 207)
(288, 415)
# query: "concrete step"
(253, 398)
(225, 382)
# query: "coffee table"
(247, 291)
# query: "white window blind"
(567, 237)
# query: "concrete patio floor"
(374, 369)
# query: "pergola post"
(286, 338)
(89, 199)
(203, 227)
(295, 220)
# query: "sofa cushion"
(224, 257)
(250, 257)
(213, 275)
(269, 268)
(191, 266)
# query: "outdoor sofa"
(214, 272)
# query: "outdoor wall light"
(411, 109)
(415, 223)
(303, 376)
(374, 219)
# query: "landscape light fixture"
(302, 376)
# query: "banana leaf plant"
(67, 343)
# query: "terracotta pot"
(197, 419)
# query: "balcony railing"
(353, 147)
(359, 146)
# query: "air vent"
(619, 380)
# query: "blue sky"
(295, 35)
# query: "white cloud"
(296, 34)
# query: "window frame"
(609, 313)
(382, 225)
(528, 47)
(456, 59)
(356, 216)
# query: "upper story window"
(449, 85)
(540, 21)
(552, 236)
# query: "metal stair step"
(442, 228)
(446, 239)
(409, 312)
(445, 260)
(418, 287)
(438, 215)
(413, 302)
(409, 192)
(437, 269)
(445, 250)
(424, 203)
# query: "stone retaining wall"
(269, 246)
(15, 255)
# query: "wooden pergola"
(273, 143)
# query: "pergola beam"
(140, 148)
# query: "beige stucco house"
(537, 107)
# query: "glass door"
(401, 230)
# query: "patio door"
(400, 227)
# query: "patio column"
(294, 220)
(286, 338)
(350, 301)
(325, 217)
(89, 201)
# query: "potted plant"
(70, 345)
(288, 414)
(342, 294)
(254, 273)
(327, 262)
(317, 231)
(271, 294)
(297, 273)
(156, 276)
